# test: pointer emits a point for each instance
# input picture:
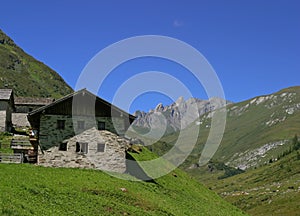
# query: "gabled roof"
(5, 94)
(80, 92)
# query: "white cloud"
(178, 23)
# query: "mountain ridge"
(248, 120)
(177, 115)
(27, 76)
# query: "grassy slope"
(27, 76)
(250, 131)
(273, 189)
(32, 190)
(5, 140)
(247, 131)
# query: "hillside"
(258, 132)
(269, 190)
(27, 76)
(258, 129)
(33, 190)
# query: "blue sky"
(253, 46)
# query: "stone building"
(90, 149)
(6, 109)
(24, 105)
(77, 129)
(75, 113)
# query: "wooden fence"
(20, 144)
(11, 158)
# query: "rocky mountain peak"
(176, 112)
(179, 101)
(159, 108)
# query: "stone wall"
(2, 120)
(20, 120)
(50, 135)
(5, 116)
(112, 159)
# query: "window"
(100, 147)
(101, 125)
(82, 147)
(61, 124)
(80, 124)
(62, 147)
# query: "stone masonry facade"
(110, 157)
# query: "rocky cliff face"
(177, 115)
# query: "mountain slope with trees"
(272, 189)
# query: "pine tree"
(296, 143)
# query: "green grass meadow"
(34, 190)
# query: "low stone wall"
(112, 159)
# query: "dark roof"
(33, 101)
(83, 92)
(5, 94)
